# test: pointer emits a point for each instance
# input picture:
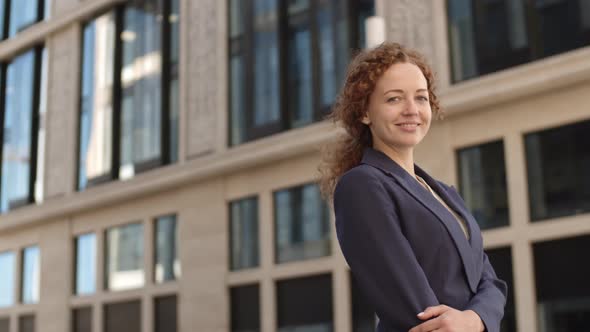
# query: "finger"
(428, 326)
(433, 311)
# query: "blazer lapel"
(411, 185)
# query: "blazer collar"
(466, 248)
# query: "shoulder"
(361, 175)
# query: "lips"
(408, 124)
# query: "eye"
(393, 99)
(423, 98)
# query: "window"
(124, 257)
(165, 314)
(85, 264)
(563, 292)
(123, 317)
(4, 324)
(129, 92)
(501, 260)
(82, 319)
(167, 263)
(244, 245)
(20, 99)
(30, 275)
(302, 224)
(26, 323)
(557, 164)
(305, 304)
(363, 313)
(7, 278)
(24, 13)
(287, 60)
(490, 35)
(482, 182)
(245, 308)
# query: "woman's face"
(399, 111)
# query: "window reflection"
(302, 224)
(86, 264)
(22, 14)
(174, 20)
(482, 175)
(18, 129)
(7, 280)
(299, 63)
(266, 63)
(141, 85)
(244, 233)
(30, 275)
(96, 114)
(245, 308)
(124, 257)
(557, 163)
(305, 304)
(167, 263)
(562, 288)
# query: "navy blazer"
(407, 251)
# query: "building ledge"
(278, 147)
(545, 75)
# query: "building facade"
(159, 158)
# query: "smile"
(408, 125)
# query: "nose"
(411, 107)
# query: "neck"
(403, 157)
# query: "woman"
(410, 241)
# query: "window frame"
(35, 115)
(167, 75)
(243, 45)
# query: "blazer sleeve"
(379, 255)
(490, 299)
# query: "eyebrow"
(402, 91)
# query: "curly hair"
(351, 104)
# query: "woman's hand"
(442, 318)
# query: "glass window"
(167, 263)
(490, 35)
(123, 317)
(305, 304)
(300, 84)
(30, 275)
(174, 63)
(85, 264)
(3, 10)
(561, 279)
(165, 314)
(26, 323)
(24, 13)
(96, 105)
(558, 160)
(244, 246)
(286, 62)
(19, 134)
(124, 257)
(482, 182)
(363, 313)
(302, 224)
(40, 171)
(245, 308)
(127, 124)
(82, 319)
(266, 63)
(141, 84)
(7, 278)
(501, 260)
(4, 324)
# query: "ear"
(365, 119)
